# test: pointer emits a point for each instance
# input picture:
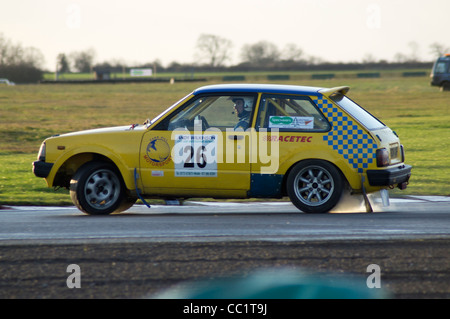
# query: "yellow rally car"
(231, 141)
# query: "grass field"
(418, 112)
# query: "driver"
(242, 107)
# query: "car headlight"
(41, 154)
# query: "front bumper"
(41, 168)
(392, 176)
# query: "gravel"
(409, 268)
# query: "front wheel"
(97, 189)
(315, 186)
(445, 86)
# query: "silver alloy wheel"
(313, 185)
(102, 189)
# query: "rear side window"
(361, 115)
(290, 113)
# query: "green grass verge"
(19, 186)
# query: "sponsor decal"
(195, 155)
(288, 138)
(291, 122)
(158, 151)
(157, 173)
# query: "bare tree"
(4, 45)
(83, 61)
(400, 57)
(369, 58)
(33, 57)
(438, 49)
(414, 56)
(260, 52)
(214, 49)
(21, 65)
(15, 54)
(292, 52)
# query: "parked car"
(440, 74)
(232, 141)
(7, 82)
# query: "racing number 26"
(195, 155)
(200, 157)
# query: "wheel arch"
(66, 167)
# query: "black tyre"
(315, 186)
(445, 86)
(97, 189)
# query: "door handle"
(235, 137)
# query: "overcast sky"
(139, 31)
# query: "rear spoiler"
(340, 89)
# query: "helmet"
(248, 101)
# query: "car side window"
(216, 111)
(290, 113)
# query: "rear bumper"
(386, 177)
(42, 169)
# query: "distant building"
(102, 74)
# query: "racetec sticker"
(288, 138)
(292, 122)
(195, 155)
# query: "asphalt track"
(413, 217)
(143, 252)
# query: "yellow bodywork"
(118, 145)
(256, 156)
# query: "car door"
(198, 151)
(289, 128)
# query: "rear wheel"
(315, 186)
(97, 189)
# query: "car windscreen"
(169, 109)
(442, 67)
(361, 115)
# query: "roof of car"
(253, 88)
(269, 88)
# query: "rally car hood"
(101, 140)
(105, 130)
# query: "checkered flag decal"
(347, 137)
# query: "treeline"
(286, 66)
(21, 73)
(212, 52)
(20, 64)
